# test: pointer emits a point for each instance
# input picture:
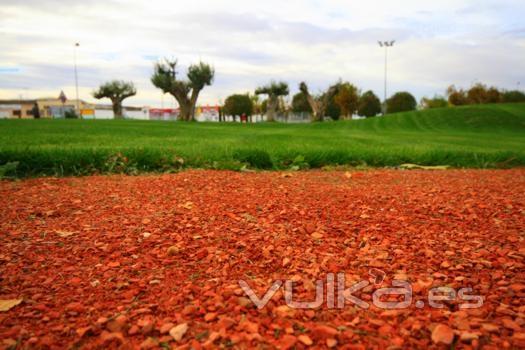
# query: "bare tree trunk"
(193, 102)
(185, 111)
(270, 108)
(117, 109)
(314, 105)
(184, 106)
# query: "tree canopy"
(434, 102)
(300, 103)
(347, 98)
(117, 91)
(401, 102)
(513, 96)
(186, 92)
(273, 90)
(319, 103)
(369, 105)
(238, 104)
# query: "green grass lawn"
(472, 136)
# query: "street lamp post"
(76, 80)
(386, 45)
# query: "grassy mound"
(473, 136)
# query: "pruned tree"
(320, 102)
(274, 90)
(117, 91)
(186, 92)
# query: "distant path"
(104, 261)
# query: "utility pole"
(76, 80)
(386, 45)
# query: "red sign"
(62, 97)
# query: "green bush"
(238, 104)
(254, 157)
(513, 96)
(369, 105)
(435, 102)
(401, 102)
(70, 114)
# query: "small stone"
(468, 336)
(173, 250)
(288, 341)
(102, 320)
(443, 334)
(245, 302)
(490, 327)
(178, 331)
(166, 327)
(316, 235)
(210, 316)
(149, 343)
(119, 324)
(510, 324)
(82, 331)
(133, 330)
(303, 338)
(331, 342)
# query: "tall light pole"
(386, 45)
(76, 80)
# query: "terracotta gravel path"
(155, 261)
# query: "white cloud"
(251, 42)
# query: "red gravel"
(118, 262)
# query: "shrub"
(238, 104)
(435, 102)
(254, 157)
(513, 96)
(401, 102)
(70, 114)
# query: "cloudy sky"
(252, 42)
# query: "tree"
(347, 98)
(333, 110)
(435, 102)
(273, 90)
(456, 97)
(369, 105)
(300, 103)
(186, 92)
(238, 104)
(513, 96)
(117, 91)
(477, 94)
(401, 102)
(493, 95)
(319, 103)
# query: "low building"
(17, 109)
(47, 108)
(54, 108)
